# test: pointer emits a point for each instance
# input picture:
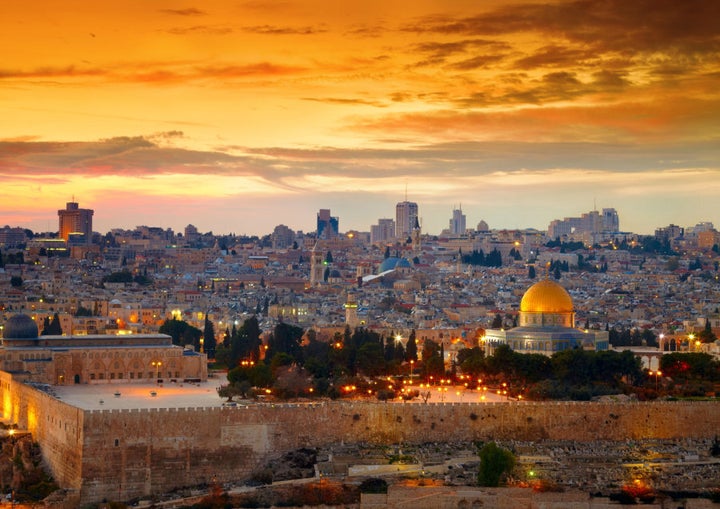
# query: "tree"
(471, 361)
(707, 335)
(243, 343)
(182, 333)
(52, 327)
(209, 337)
(291, 382)
(122, 276)
(83, 311)
(411, 348)
(433, 364)
(16, 281)
(229, 391)
(370, 360)
(497, 322)
(531, 271)
(285, 339)
(495, 464)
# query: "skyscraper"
(328, 227)
(457, 223)
(611, 221)
(406, 215)
(383, 231)
(74, 221)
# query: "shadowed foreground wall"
(119, 455)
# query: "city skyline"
(237, 117)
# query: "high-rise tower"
(457, 223)
(406, 214)
(327, 225)
(75, 221)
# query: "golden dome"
(546, 297)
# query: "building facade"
(74, 221)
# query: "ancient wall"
(56, 426)
(120, 455)
(137, 453)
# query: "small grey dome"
(21, 327)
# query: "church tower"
(416, 235)
(317, 267)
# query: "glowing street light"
(657, 374)
(157, 365)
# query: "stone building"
(96, 358)
(546, 324)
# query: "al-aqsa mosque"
(546, 324)
(94, 359)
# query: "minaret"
(351, 317)
(317, 267)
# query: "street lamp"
(657, 374)
(157, 365)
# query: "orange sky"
(237, 116)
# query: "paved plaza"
(204, 394)
(140, 395)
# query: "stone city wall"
(56, 426)
(141, 452)
(125, 454)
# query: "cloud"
(200, 29)
(190, 11)
(558, 56)
(284, 30)
(346, 101)
(634, 119)
(588, 30)
(70, 71)
(477, 62)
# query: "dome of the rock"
(546, 297)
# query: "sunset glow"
(238, 116)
